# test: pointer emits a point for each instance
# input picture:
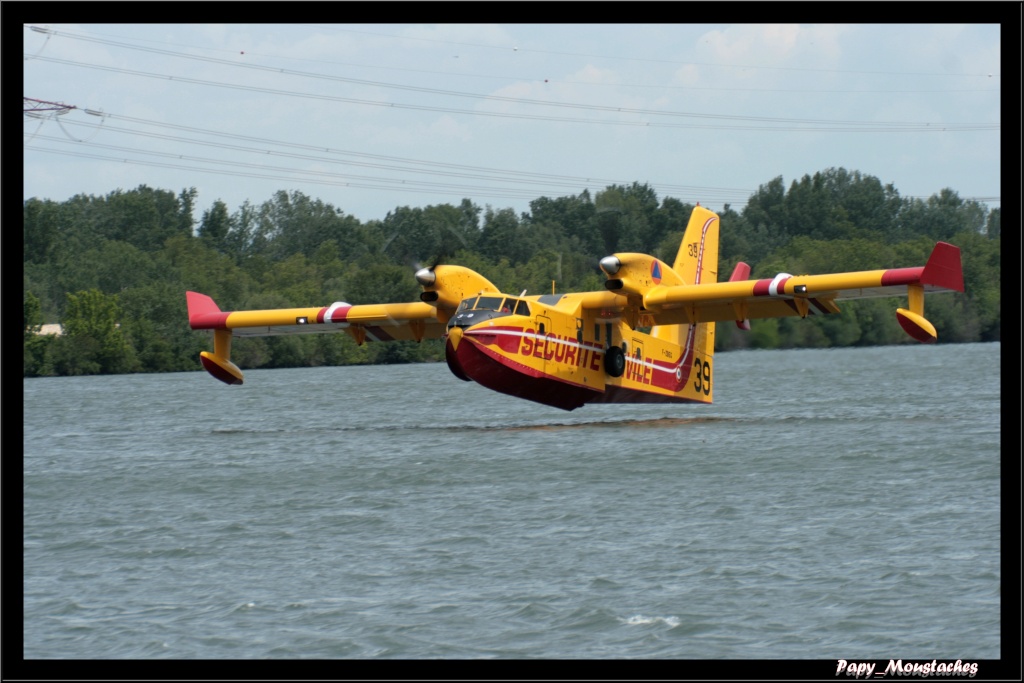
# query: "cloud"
(750, 49)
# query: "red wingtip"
(203, 312)
(943, 268)
(740, 272)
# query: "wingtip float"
(647, 338)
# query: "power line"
(575, 83)
(270, 172)
(376, 183)
(872, 125)
(766, 123)
(527, 50)
(374, 161)
(314, 153)
(541, 182)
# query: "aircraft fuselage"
(551, 350)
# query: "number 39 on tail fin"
(648, 337)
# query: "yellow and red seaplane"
(649, 337)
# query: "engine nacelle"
(446, 286)
(637, 274)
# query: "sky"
(372, 117)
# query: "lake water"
(830, 504)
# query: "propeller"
(425, 276)
(444, 238)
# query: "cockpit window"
(489, 303)
(495, 303)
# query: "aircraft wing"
(380, 322)
(371, 322)
(802, 295)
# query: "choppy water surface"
(839, 503)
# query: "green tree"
(737, 242)
(215, 226)
(293, 223)
(337, 349)
(295, 250)
(42, 222)
(33, 316)
(667, 228)
(765, 217)
(941, 216)
(145, 217)
(981, 259)
(297, 280)
(542, 273)
(395, 353)
(154, 320)
(35, 345)
(435, 233)
(193, 265)
(870, 206)
(330, 270)
(838, 204)
(626, 218)
(992, 228)
(568, 217)
(244, 238)
(380, 283)
(117, 266)
(764, 333)
(92, 330)
(502, 236)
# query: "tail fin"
(697, 260)
(697, 264)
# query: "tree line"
(113, 270)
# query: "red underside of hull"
(522, 382)
(508, 377)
